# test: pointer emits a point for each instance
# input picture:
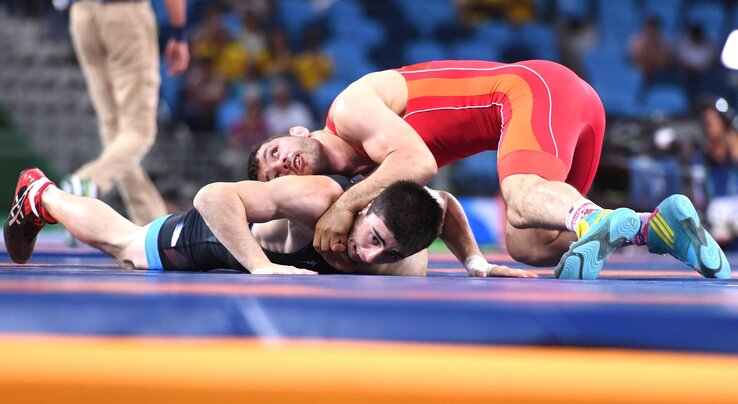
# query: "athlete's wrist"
(178, 34)
(476, 263)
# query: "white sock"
(578, 211)
(641, 238)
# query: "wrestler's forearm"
(226, 216)
(456, 232)
(359, 195)
(396, 166)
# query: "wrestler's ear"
(299, 131)
(366, 208)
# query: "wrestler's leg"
(534, 202)
(97, 224)
(537, 247)
(549, 155)
(600, 232)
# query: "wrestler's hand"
(477, 266)
(339, 261)
(276, 269)
(507, 272)
(331, 231)
(178, 57)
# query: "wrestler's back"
(461, 108)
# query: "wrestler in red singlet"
(540, 116)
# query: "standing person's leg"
(139, 99)
(132, 59)
(84, 25)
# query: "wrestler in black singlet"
(195, 248)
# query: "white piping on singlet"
(548, 90)
(176, 233)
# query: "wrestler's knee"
(515, 217)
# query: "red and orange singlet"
(540, 116)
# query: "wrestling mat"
(76, 328)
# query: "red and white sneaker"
(27, 216)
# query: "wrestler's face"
(370, 241)
(290, 155)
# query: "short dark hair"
(253, 167)
(410, 212)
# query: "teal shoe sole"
(585, 257)
(680, 214)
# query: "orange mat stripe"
(644, 273)
(277, 290)
(87, 370)
(293, 290)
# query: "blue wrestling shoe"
(600, 233)
(675, 229)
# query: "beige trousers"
(116, 44)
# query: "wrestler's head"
(295, 154)
(402, 220)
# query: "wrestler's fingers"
(324, 244)
(504, 271)
(521, 273)
(480, 273)
(339, 246)
(318, 241)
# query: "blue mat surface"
(641, 301)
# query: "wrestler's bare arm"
(363, 118)
(227, 208)
(456, 233)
